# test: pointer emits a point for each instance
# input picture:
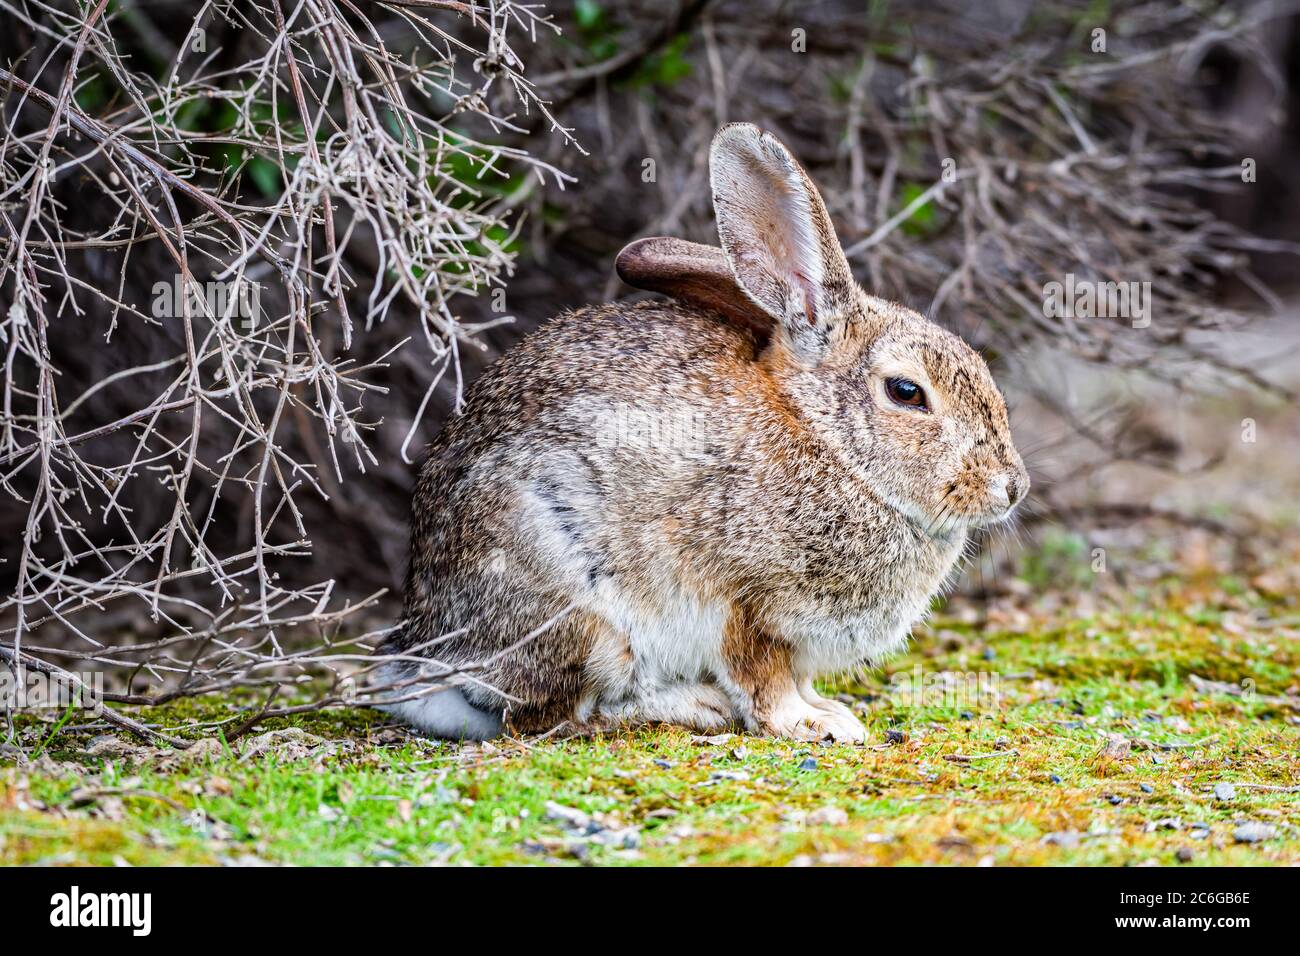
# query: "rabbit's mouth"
(947, 527)
(964, 510)
(1000, 514)
(950, 521)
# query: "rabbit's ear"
(694, 274)
(777, 234)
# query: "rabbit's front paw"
(803, 721)
(841, 716)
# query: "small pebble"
(729, 775)
(828, 816)
(1185, 854)
(1147, 788)
(665, 764)
(966, 715)
(1067, 839)
(712, 741)
(1054, 778)
(1253, 832)
(571, 818)
(990, 654)
(1225, 792)
(895, 737)
(808, 763)
(1115, 799)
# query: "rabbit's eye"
(906, 393)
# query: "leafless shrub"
(138, 434)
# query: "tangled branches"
(194, 237)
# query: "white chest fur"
(672, 634)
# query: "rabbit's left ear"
(778, 236)
(694, 274)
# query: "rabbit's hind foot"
(696, 705)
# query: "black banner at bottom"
(150, 907)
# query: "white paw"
(828, 720)
(843, 716)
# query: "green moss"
(366, 794)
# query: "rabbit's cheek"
(946, 460)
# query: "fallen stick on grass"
(967, 758)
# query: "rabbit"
(684, 511)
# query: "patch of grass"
(1002, 768)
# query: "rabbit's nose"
(1007, 489)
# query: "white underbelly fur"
(680, 638)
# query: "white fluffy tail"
(445, 713)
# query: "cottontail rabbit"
(685, 511)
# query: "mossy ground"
(349, 788)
